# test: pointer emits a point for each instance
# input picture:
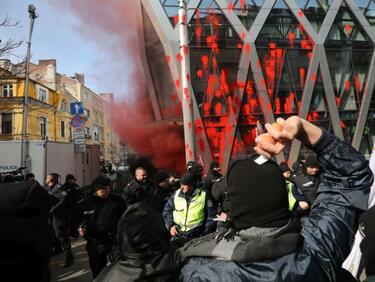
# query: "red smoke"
(112, 25)
(159, 140)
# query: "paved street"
(78, 272)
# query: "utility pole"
(24, 152)
(187, 104)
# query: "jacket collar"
(192, 195)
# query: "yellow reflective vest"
(292, 201)
(189, 215)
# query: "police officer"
(75, 194)
(189, 212)
(297, 203)
(59, 216)
(308, 181)
(100, 211)
(139, 188)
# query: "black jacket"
(307, 184)
(25, 241)
(100, 217)
(145, 253)
(210, 179)
(135, 192)
(220, 195)
(328, 230)
(59, 198)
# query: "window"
(7, 90)
(87, 113)
(42, 95)
(96, 134)
(70, 134)
(6, 123)
(87, 131)
(101, 135)
(43, 127)
(96, 117)
(100, 118)
(63, 105)
(62, 128)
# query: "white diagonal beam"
(302, 20)
(330, 95)
(171, 47)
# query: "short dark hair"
(55, 177)
(101, 181)
(29, 175)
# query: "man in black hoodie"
(145, 253)
(101, 212)
(212, 176)
(262, 242)
(25, 240)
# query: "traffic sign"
(77, 122)
(76, 108)
(80, 148)
(79, 141)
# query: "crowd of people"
(260, 221)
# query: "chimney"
(80, 77)
(107, 96)
(51, 75)
(46, 72)
(47, 62)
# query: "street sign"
(80, 148)
(76, 108)
(79, 133)
(77, 122)
(79, 141)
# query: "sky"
(58, 34)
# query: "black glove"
(367, 229)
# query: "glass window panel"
(209, 28)
(214, 79)
(246, 10)
(346, 27)
(315, 11)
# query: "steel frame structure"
(169, 38)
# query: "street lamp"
(32, 15)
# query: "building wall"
(259, 60)
(37, 109)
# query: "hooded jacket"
(327, 232)
(25, 241)
(145, 254)
(211, 177)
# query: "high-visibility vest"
(189, 215)
(292, 201)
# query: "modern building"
(257, 60)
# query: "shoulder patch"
(210, 204)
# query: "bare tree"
(9, 44)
